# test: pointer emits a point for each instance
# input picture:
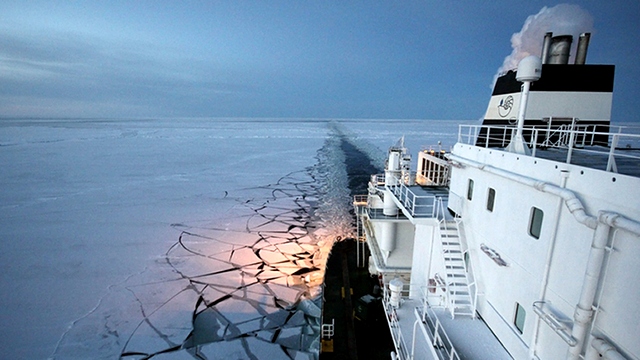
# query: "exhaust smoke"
(563, 19)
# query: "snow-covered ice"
(175, 237)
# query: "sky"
(292, 59)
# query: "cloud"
(88, 76)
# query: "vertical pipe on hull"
(388, 236)
(391, 174)
(389, 207)
(584, 312)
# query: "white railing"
(409, 177)
(377, 179)
(417, 205)
(562, 135)
(360, 200)
(375, 213)
(328, 329)
(435, 150)
(433, 177)
(574, 138)
(394, 325)
(433, 170)
(438, 336)
(432, 289)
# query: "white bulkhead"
(547, 265)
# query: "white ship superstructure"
(489, 252)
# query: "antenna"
(529, 70)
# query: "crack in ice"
(254, 288)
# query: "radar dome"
(529, 69)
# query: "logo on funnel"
(505, 105)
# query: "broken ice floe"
(245, 287)
(249, 290)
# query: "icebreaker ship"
(523, 241)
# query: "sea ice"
(89, 207)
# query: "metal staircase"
(461, 290)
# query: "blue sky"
(318, 59)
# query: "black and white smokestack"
(581, 52)
(559, 49)
(545, 47)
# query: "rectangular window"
(535, 222)
(491, 198)
(470, 190)
(518, 319)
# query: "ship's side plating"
(546, 249)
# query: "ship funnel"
(581, 52)
(545, 47)
(559, 49)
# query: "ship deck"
(418, 201)
(471, 338)
(627, 162)
(617, 151)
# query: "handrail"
(571, 137)
(435, 330)
(378, 213)
(360, 199)
(433, 148)
(328, 330)
(417, 205)
(442, 222)
(438, 336)
(378, 179)
(467, 268)
(394, 326)
(561, 326)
